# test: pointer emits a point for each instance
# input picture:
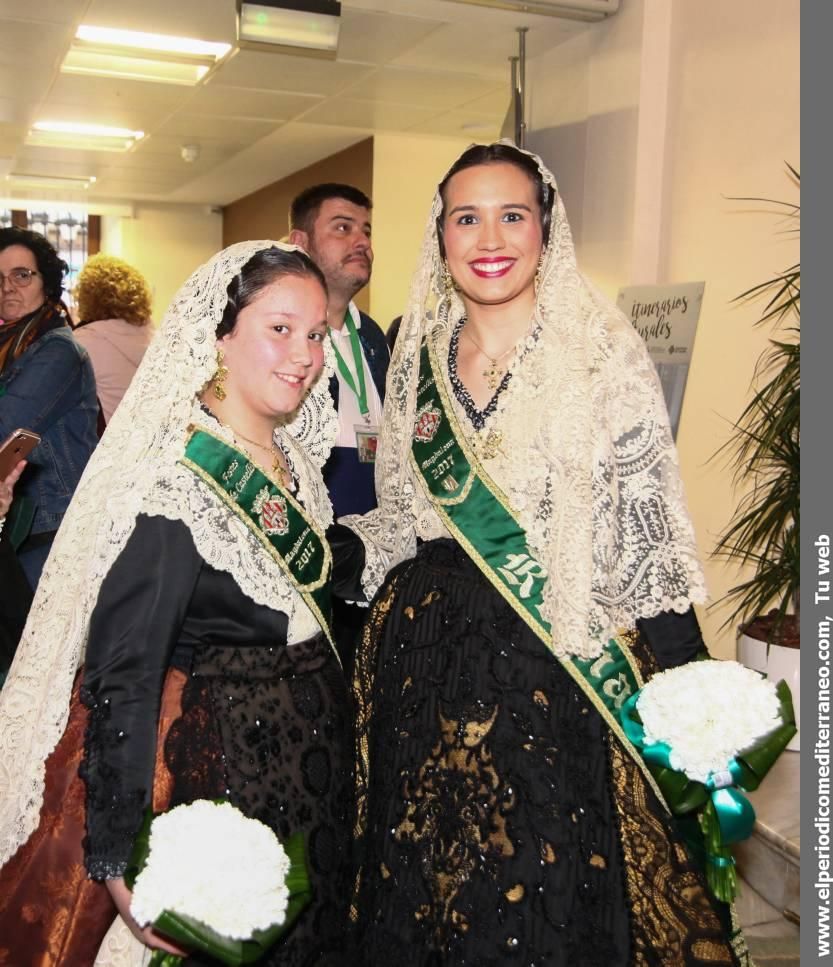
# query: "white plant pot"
(777, 663)
(752, 653)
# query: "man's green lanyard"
(356, 348)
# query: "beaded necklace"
(476, 417)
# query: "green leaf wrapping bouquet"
(215, 881)
(708, 731)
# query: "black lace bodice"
(261, 723)
(158, 603)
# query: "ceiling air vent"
(589, 10)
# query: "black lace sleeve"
(673, 638)
(133, 630)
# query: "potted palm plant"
(764, 454)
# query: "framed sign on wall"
(666, 318)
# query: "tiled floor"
(779, 952)
(759, 919)
(770, 858)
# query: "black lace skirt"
(269, 729)
(492, 797)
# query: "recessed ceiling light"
(49, 181)
(91, 137)
(110, 37)
(99, 63)
(135, 55)
(82, 127)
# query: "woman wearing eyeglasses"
(46, 385)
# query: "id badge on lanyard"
(367, 440)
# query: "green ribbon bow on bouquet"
(196, 936)
(723, 813)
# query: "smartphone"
(16, 448)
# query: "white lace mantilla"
(587, 459)
(135, 470)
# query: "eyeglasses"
(19, 278)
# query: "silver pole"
(522, 85)
(514, 101)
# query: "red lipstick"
(491, 268)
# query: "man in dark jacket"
(332, 222)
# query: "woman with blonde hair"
(113, 302)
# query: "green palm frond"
(764, 454)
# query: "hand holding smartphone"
(15, 448)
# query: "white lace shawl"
(588, 461)
(134, 470)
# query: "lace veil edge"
(134, 469)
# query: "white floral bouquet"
(709, 730)
(213, 880)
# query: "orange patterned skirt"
(51, 913)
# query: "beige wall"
(734, 124)
(165, 242)
(265, 213)
(649, 122)
(583, 113)
(406, 171)
(376, 166)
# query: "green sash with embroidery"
(276, 519)
(477, 513)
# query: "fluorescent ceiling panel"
(107, 64)
(138, 56)
(109, 37)
(87, 137)
(49, 181)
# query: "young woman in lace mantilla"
(529, 490)
(208, 666)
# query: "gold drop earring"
(448, 282)
(220, 377)
(538, 273)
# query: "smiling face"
(339, 244)
(492, 233)
(276, 349)
(16, 302)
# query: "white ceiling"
(424, 66)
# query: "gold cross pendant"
(280, 472)
(493, 376)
